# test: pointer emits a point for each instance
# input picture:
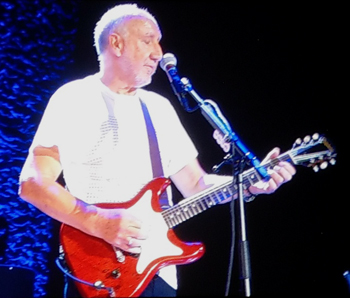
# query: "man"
(94, 130)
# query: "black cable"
(96, 285)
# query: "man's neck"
(116, 85)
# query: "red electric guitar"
(101, 270)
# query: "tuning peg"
(315, 136)
(307, 139)
(297, 142)
(324, 165)
(316, 169)
(332, 161)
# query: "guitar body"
(100, 265)
(96, 262)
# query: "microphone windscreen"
(168, 59)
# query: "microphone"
(168, 64)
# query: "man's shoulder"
(75, 93)
(81, 84)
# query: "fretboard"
(191, 206)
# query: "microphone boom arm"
(213, 115)
(211, 112)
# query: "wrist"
(248, 196)
(86, 216)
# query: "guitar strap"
(157, 167)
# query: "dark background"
(276, 72)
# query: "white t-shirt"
(102, 140)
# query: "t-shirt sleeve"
(46, 135)
(48, 131)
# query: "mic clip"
(181, 87)
(228, 159)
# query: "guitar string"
(180, 212)
(190, 207)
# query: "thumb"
(272, 154)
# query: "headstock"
(304, 152)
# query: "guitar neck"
(190, 207)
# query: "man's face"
(141, 51)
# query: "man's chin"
(144, 83)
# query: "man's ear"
(116, 43)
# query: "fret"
(184, 212)
(179, 216)
(219, 197)
(194, 208)
(211, 201)
(251, 179)
(167, 221)
(170, 221)
(176, 218)
(216, 196)
(227, 192)
(202, 206)
(190, 211)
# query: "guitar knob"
(120, 256)
(98, 284)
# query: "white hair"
(111, 19)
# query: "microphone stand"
(213, 115)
